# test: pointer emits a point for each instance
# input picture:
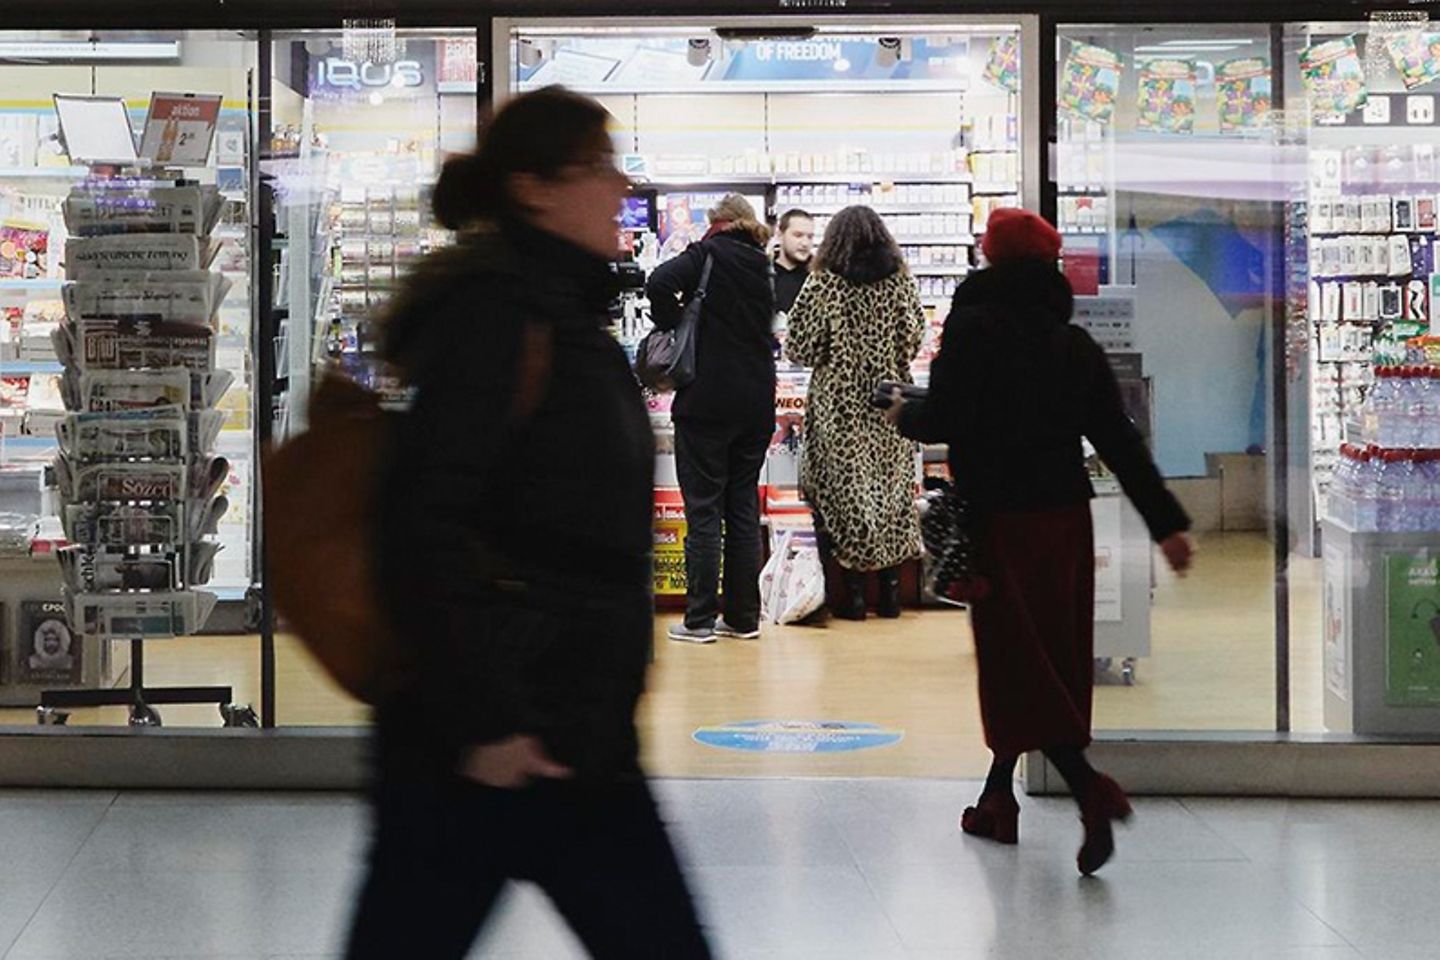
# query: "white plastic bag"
(792, 584)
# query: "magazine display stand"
(138, 480)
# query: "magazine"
(177, 296)
(1333, 77)
(1244, 91)
(1090, 82)
(1002, 67)
(1167, 96)
(101, 209)
(1416, 55)
(47, 652)
(88, 257)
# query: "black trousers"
(444, 849)
(718, 465)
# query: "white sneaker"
(723, 629)
(683, 634)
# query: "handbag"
(665, 359)
(945, 529)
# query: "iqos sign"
(349, 75)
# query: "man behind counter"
(792, 261)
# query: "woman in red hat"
(1013, 390)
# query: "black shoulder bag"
(666, 358)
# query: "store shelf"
(44, 173)
(938, 239)
(22, 367)
(940, 271)
(42, 283)
(763, 179)
(995, 189)
(830, 209)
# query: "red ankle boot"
(1103, 804)
(994, 817)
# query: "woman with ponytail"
(514, 563)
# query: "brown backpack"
(320, 506)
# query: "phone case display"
(139, 481)
(1372, 229)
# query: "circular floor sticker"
(798, 736)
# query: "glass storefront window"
(40, 651)
(1164, 173)
(1361, 367)
(355, 150)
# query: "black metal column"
(1280, 407)
(262, 236)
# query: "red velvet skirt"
(1035, 632)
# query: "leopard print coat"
(855, 469)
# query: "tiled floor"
(785, 870)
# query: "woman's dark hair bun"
(460, 195)
(538, 133)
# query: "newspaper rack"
(139, 483)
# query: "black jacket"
(735, 349)
(1015, 387)
(514, 545)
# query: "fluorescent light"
(84, 50)
(1204, 43)
(1172, 51)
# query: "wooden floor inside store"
(1211, 668)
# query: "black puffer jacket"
(735, 350)
(515, 546)
(1014, 388)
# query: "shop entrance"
(926, 123)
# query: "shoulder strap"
(532, 374)
(704, 277)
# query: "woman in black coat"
(514, 566)
(1013, 390)
(723, 419)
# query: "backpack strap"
(532, 375)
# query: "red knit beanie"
(1015, 234)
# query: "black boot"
(889, 605)
(852, 603)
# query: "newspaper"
(176, 296)
(96, 210)
(201, 562)
(88, 258)
(204, 517)
(171, 613)
(103, 391)
(129, 344)
(123, 525)
(87, 571)
(120, 482)
(160, 433)
(111, 391)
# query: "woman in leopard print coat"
(858, 321)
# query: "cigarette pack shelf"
(138, 478)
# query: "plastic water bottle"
(1427, 432)
(1428, 468)
(1396, 487)
(1384, 405)
(1367, 490)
